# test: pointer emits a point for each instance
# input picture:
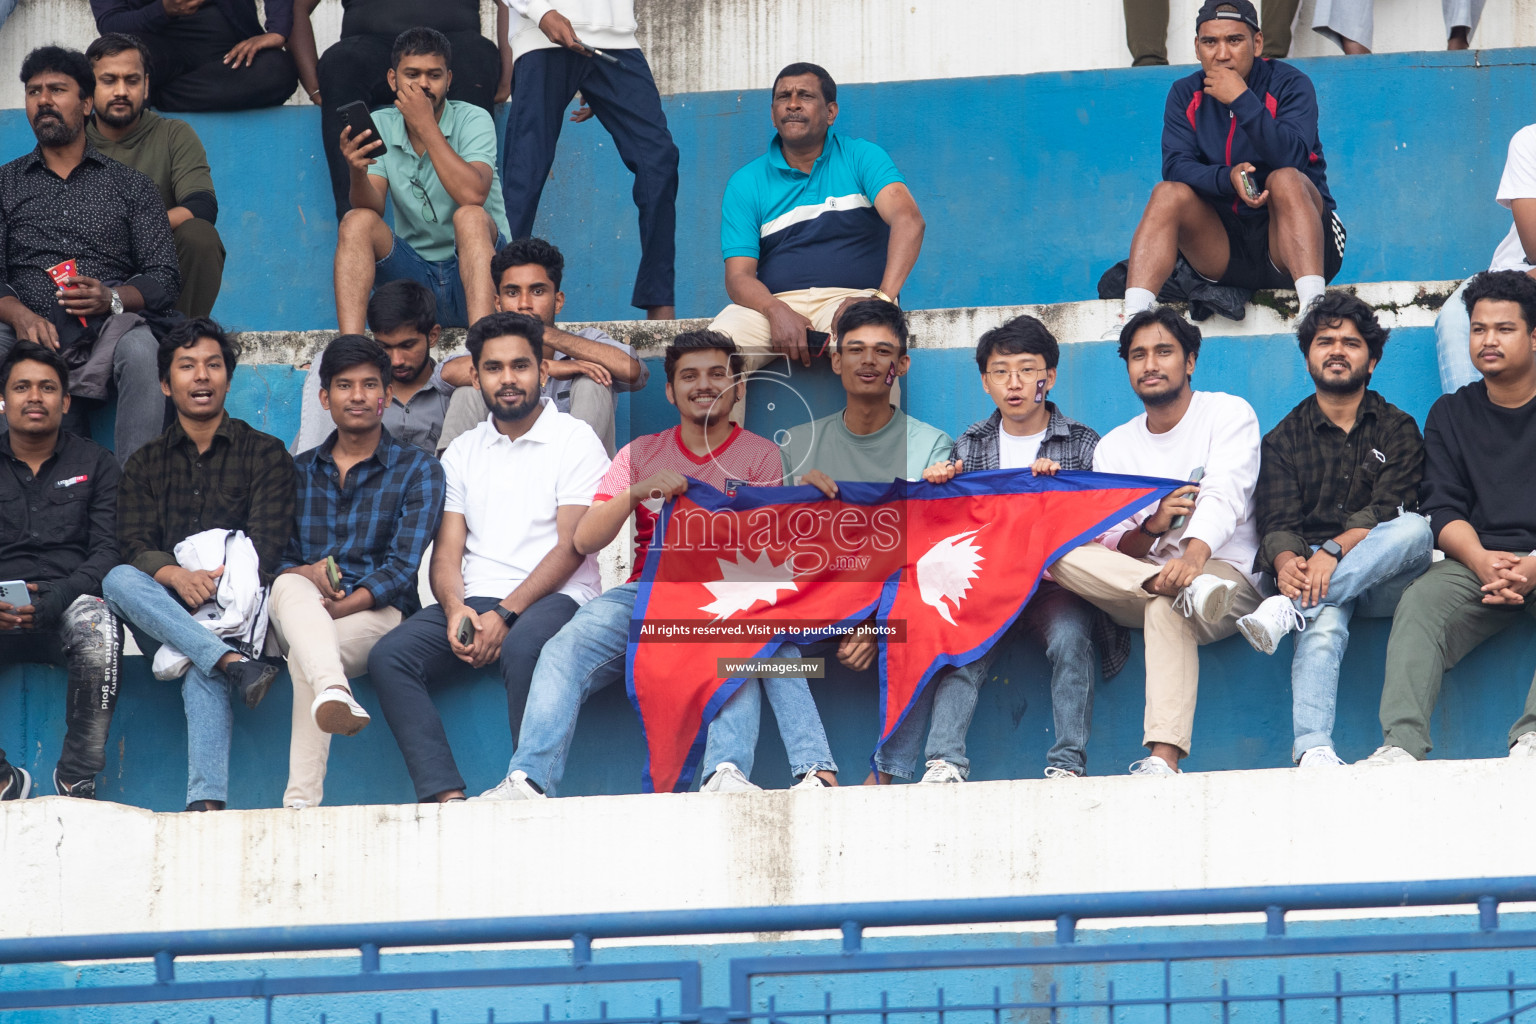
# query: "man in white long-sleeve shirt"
(1181, 570)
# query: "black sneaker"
(206, 805)
(18, 785)
(253, 678)
(85, 789)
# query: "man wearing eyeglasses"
(1018, 369)
(436, 159)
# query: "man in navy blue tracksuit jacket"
(1238, 116)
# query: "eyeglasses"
(1004, 376)
(420, 192)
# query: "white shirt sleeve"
(1231, 474)
(1107, 458)
(453, 473)
(583, 466)
(1519, 180)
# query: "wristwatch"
(507, 615)
(1331, 547)
(881, 295)
(117, 302)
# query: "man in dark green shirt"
(169, 153)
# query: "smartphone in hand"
(1194, 478)
(355, 116)
(15, 593)
(466, 633)
(332, 572)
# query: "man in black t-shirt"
(1480, 499)
(353, 68)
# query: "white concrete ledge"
(1446, 819)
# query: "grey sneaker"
(728, 779)
(514, 787)
(1152, 765)
(1388, 755)
(941, 771)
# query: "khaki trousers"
(1113, 581)
(321, 652)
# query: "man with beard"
(436, 158)
(703, 381)
(58, 535)
(586, 367)
(1180, 570)
(403, 318)
(1480, 500)
(66, 202)
(372, 504)
(170, 153)
(206, 472)
(505, 569)
(1338, 479)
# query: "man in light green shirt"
(436, 159)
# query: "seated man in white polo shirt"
(505, 569)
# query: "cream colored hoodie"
(605, 24)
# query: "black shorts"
(1249, 265)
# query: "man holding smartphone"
(368, 506)
(1181, 570)
(505, 569)
(58, 540)
(436, 159)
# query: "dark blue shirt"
(377, 525)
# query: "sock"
(1138, 299)
(1309, 288)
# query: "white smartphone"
(15, 593)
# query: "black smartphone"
(355, 116)
(817, 342)
(466, 634)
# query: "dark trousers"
(88, 642)
(353, 69)
(1146, 29)
(624, 98)
(416, 652)
(190, 73)
(200, 253)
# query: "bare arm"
(368, 191)
(786, 328)
(555, 567)
(616, 361)
(446, 574)
(898, 209)
(742, 285)
(301, 44)
(504, 44)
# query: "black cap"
(1242, 11)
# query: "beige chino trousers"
(1113, 582)
(321, 652)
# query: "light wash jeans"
(1453, 340)
(1063, 624)
(1368, 581)
(150, 608)
(588, 655)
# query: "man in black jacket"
(58, 539)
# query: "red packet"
(59, 271)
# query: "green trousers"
(200, 254)
(1439, 621)
(1146, 29)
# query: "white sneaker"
(514, 787)
(1388, 755)
(941, 771)
(1272, 619)
(1207, 597)
(1152, 764)
(1320, 757)
(728, 779)
(1524, 747)
(812, 781)
(337, 713)
(1053, 772)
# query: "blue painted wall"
(1031, 185)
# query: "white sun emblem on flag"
(745, 582)
(945, 572)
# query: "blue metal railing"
(751, 977)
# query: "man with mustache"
(819, 222)
(372, 504)
(1179, 570)
(58, 536)
(1338, 483)
(170, 153)
(1479, 496)
(436, 158)
(505, 568)
(63, 202)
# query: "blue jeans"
(1063, 624)
(156, 612)
(1453, 339)
(1368, 581)
(588, 655)
(441, 278)
(733, 733)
